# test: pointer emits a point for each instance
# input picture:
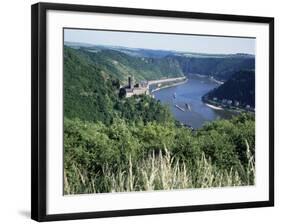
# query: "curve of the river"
(187, 97)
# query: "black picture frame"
(39, 122)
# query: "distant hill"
(240, 87)
(137, 52)
(120, 65)
(219, 66)
(153, 64)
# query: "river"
(190, 93)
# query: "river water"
(190, 93)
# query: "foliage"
(120, 65)
(90, 96)
(161, 172)
(87, 94)
(222, 68)
(143, 108)
(103, 158)
(240, 87)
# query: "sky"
(188, 43)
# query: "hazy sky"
(190, 43)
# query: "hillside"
(154, 64)
(240, 87)
(91, 94)
(120, 65)
(221, 67)
(88, 94)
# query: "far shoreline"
(225, 108)
(168, 86)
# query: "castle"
(134, 89)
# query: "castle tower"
(131, 82)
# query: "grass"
(159, 171)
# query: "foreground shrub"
(133, 156)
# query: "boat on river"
(180, 108)
(188, 106)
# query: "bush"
(105, 158)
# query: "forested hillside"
(92, 95)
(154, 64)
(220, 67)
(120, 66)
(88, 94)
(240, 87)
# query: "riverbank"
(209, 77)
(213, 107)
(165, 80)
(216, 81)
(220, 106)
(169, 85)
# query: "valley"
(160, 134)
(210, 78)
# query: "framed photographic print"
(139, 111)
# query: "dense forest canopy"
(222, 68)
(133, 156)
(240, 87)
